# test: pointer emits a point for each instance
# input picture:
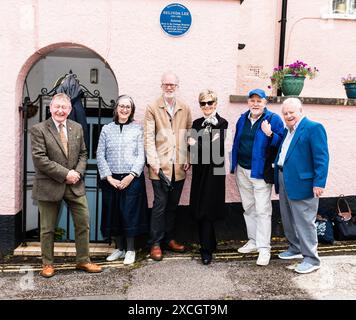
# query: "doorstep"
(63, 249)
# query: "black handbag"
(268, 170)
(324, 229)
(344, 222)
(270, 156)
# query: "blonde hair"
(207, 93)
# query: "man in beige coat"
(167, 121)
(60, 157)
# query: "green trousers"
(48, 218)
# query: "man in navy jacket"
(256, 130)
(301, 169)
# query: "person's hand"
(266, 128)
(186, 166)
(72, 177)
(318, 191)
(126, 181)
(114, 182)
(191, 141)
(155, 169)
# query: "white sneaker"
(263, 258)
(248, 247)
(130, 257)
(116, 254)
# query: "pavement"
(231, 276)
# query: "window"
(344, 7)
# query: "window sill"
(339, 16)
(305, 100)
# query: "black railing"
(37, 108)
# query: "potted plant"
(290, 79)
(349, 83)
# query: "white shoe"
(263, 258)
(116, 254)
(248, 247)
(130, 257)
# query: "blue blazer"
(260, 142)
(306, 163)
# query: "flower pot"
(291, 85)
(350, 90)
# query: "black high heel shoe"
(206, 256)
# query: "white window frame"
(345, 16)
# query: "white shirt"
(170, 108)
(64, 127)
(286, 143)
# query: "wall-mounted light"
(240, 46)
(93, 75)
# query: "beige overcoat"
(165, 138)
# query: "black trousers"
(207, 236)
(164, 209)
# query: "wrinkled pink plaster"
(127, 35)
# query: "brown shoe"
(174, 246)
(156, 253)
(47, 271)
(89, 267)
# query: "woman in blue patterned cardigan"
(120, 157)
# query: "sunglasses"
(204, 103)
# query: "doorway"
(99, 91)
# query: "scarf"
(209, 122)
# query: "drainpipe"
(282, 40)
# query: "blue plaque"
(175, 19)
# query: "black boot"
(206, 256)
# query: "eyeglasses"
(204, 103)
(63, 107)
(124, 107)
(169, 85)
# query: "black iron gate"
(98, 112)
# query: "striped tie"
(64, 139)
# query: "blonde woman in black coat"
(207, 196)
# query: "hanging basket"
(350, 90)
(291, 85)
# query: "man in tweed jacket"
(59, 157)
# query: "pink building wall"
(127, 35)
(328, 44)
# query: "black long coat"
(207, 195)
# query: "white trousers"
(256, 202)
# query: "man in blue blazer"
(301, 169)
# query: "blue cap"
(258, 92)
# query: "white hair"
(294, 102)
(169, 73)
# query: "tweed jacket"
(50, 162)
(165, 138)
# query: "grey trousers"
(298, 218)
